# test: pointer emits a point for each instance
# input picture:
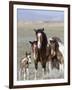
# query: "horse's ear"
(42, 29)
(30, 42)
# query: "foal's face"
(28, 57)
(34, 49)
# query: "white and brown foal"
(24, 65)
(35, 55)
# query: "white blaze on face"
(39, 42)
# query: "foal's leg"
(27, 71)
(24, 73)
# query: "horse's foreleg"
(24, 75)
(27, 71)
(49, 65)
(36, 67)
(61, 64)
(35, 74)
(42, 72)
(61, 67)
(43, 69)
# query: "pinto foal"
(24, 65)
(35, 55)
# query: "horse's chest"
(42, 53)
(24, 64)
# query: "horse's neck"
(43, 51)
(44, 46)
(44, 39)
(58, 52)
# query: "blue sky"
(39, 15)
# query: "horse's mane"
(35, 42)
(57, 39)
(44, 43)
(44, 38)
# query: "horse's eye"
(29, 56)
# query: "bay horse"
(36, 56)
(57, 53)
(24, 65)
(42, 47)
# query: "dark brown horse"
(56, 55)
(42, 47)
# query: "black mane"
(57, 39)
(44, 43)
